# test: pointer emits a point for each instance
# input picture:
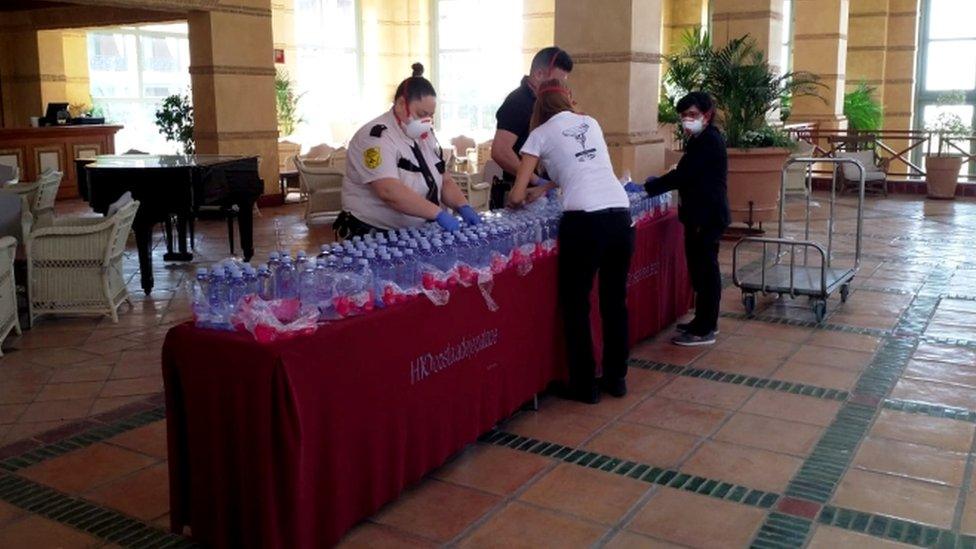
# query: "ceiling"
(21, 5)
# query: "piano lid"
(163, 160)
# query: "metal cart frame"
(816, 282)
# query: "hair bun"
(418, 70)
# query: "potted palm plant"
(942, 168)
(748, 93)
(862, 109)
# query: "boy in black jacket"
(700, 179)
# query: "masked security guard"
(395, 171)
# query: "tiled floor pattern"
(786, 433)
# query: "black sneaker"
(614, 387)
(692, 340)
(686, 327)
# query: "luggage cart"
(783, 277)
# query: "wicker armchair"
(323, 187)
(9, 174)
(75, 265)
(8, 292)
(40, 196)
(477, 191)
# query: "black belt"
(605, 211)
(347, 225)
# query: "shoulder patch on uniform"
(372, 158)
(377, 130)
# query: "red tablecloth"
(291, 444)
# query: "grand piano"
(173, 187)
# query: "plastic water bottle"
(201, 301)
(399, 269)
(438, 255)
(301, 260)
(250, 280)
(217, 290)
(236, 289)
(307, 288)
(286, 281)
(412, 270)
(265, 283)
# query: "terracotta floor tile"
(827, 537)
(56, 357)
(8, 513)
(492, 469)
(911, 460)
(711, 393)
(19, 431)
(677, 415)
(945, 353)
(630, 540)
(87, 468)
(755, 364)
(149, 439)
(747, 466)
(791, 407)
(947, 434)
(587, 493)
(645, 381)
(562, 428)
(144, 495)
(942, 372)
(81, 373)
(749, 345)
(19, 392)
(785, 437)
(697, 521)
(522, 526)
(135, 386)
(935, 393)
(37, 339)
(898, 497)
(840, 340)
(968, 525)
(370, 536)
(820, 376)
(436, 510)
(950, 331)
(57, 410)
(665, 351)
(643, 444)
(111, 403)
(835, 358)
(10, 412)
(883, 322)
(37, 532)
(65, 391)
(777, 332)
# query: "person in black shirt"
(700, 179)
(514, 115)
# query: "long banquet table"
(291, 444)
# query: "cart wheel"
(820, 310)
(845, 291)
(749, 302)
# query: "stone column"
(77, 84)
(681, 16)
(760, 19)
(820, 47)
(867, 44)
(617, 74)
(900, 70)
(538, 28)
(396, 34)
(232, 74)
(34, 71)
(283, 24)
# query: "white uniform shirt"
(375, 155)
(574, 154)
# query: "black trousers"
(701, 252)
(498, 190)
(590, 243)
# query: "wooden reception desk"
(34, 149)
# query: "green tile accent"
(103, 523)
(934, 410)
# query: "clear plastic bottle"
(265, 283)
(236, 289)
(217, 290)
(412, 269)
(250, 280)
(400, 274)
(201, 301)
(286, 281)
(301, 260)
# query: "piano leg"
(182, 255)
(143, 229)
(245, 224)
(168, 231)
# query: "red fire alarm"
(279, 55)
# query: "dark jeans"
(701, 252)
(590, 243)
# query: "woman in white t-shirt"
(595, 235)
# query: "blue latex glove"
(551, 193)
(469, 215)
(447, 221)
(632, 187)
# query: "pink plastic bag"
(274, 320)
